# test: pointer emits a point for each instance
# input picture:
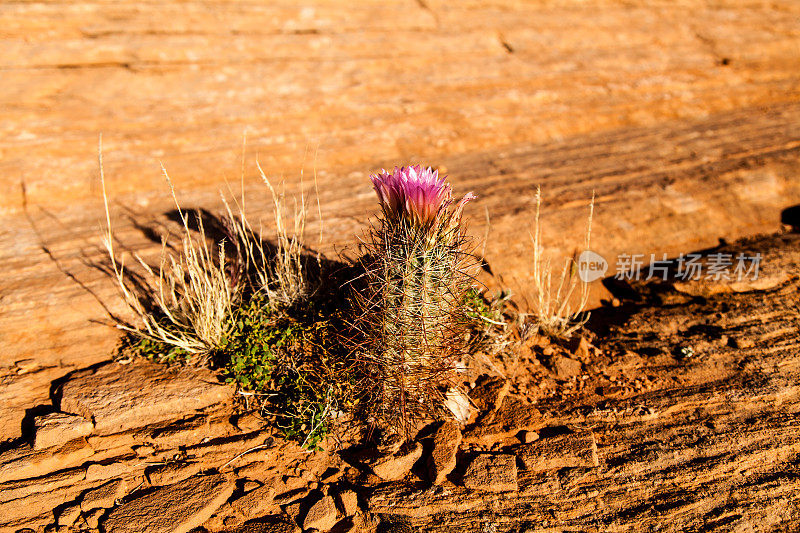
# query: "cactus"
(412, 318)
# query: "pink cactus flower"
(416, 194)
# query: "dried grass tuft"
(557, 310)
(186, 302)
(284, 279)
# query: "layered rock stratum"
(682, 118)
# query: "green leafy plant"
(291, 365)
(486, 309)
(255, 343)
(489, 326)
(154, 350)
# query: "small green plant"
(286, 359)
(256, 341)
(489, 326)
(309, 423)
(154, 350)
(489, 310)
(291, 366)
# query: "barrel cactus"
(412, 318)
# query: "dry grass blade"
(557, 310)
(284, 280)
(187, 302)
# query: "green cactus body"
(417, 280)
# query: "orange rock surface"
(683, 118)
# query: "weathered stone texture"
(121, 397)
